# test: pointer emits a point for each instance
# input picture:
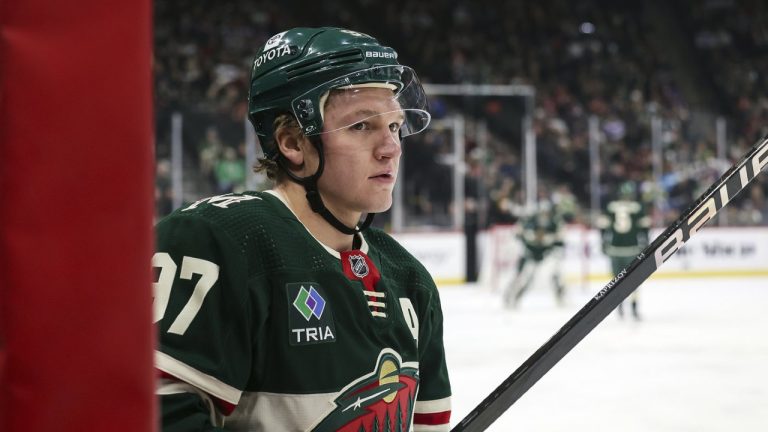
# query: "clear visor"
(379, 97)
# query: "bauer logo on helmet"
(381, 54)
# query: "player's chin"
(379, 202)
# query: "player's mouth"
(385, 177)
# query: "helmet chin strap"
(313, 194)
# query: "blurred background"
(558, 101)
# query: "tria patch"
(310, 320)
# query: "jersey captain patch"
(309, 315)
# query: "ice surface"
(698, 360)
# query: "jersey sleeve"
(185, 412)
(202, 312)
(433, 404)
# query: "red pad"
(75, 226)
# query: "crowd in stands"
(585, 59)
(732, 37)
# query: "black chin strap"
(313, 195)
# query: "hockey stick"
(618, 289)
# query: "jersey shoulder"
(232, 224)
(234, 213)
(219, 207)
(396, 260)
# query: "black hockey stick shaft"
(618, 289)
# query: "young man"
(280, 310)
(624, 227)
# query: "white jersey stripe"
(431, 428)
(167, 386)
(433, 406)
(188, 374)
(270, 412)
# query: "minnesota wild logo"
(381, 401)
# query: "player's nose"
(388, 145)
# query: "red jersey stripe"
(437, 418)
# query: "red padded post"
(76, 162)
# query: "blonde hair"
(273, 169)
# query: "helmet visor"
(380, 96)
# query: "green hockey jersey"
(540, 234)
(624, 227)
(264, 328)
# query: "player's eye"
(360, 126)
(394, 127)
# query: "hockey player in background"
(281, 310)
(542, 249)
(624, 228)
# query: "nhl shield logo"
(358, 265)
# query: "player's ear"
(292, 144)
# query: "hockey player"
(542, 241)
(281, 311)
(624, 228)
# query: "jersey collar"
(330, 250)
